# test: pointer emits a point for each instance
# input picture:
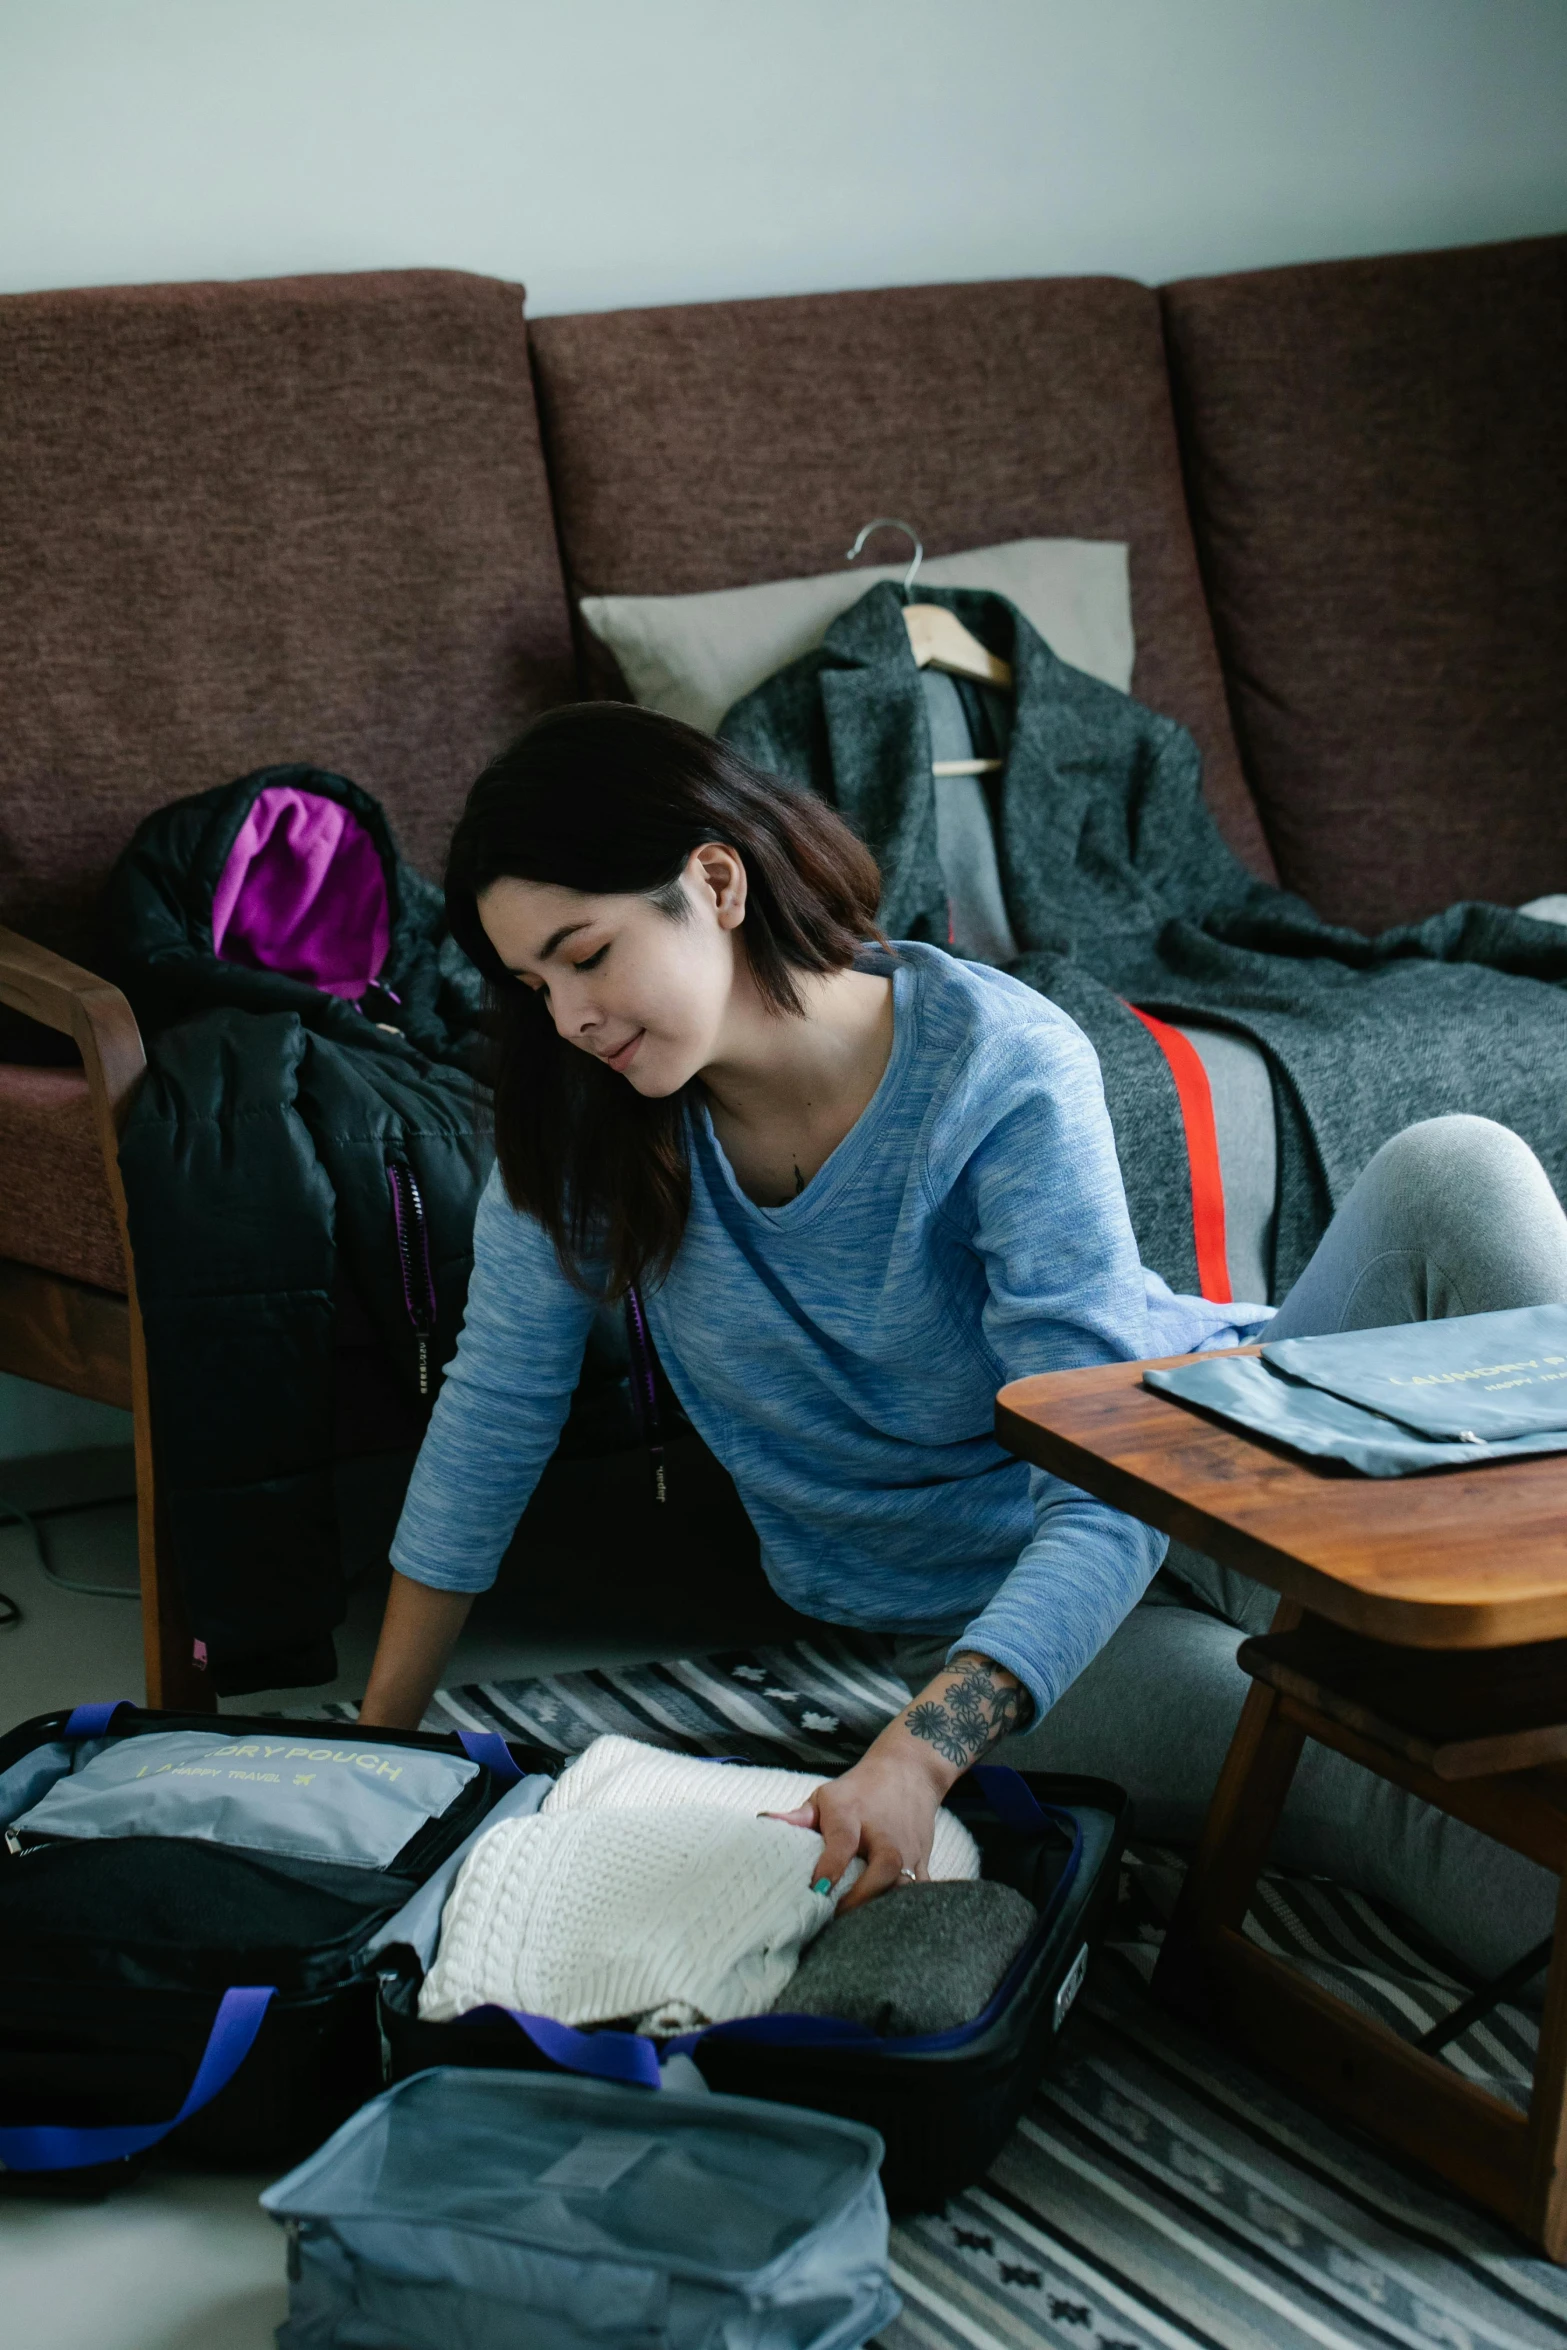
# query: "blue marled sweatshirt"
(841, 1354)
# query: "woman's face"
(644, 991)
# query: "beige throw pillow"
(693, 657)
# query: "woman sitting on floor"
(857, 1187)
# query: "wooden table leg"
(1546, 2213)
(1247, 1800)
(1265, 2008)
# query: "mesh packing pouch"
(467, 2210)
(350, 1801)
(1419, 1395)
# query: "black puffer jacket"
(295, 1161)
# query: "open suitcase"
(944, 2104)
(210, 1987)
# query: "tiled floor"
(165, 2263)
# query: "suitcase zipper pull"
(644, 1390)
(413, 1258)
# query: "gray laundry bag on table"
(1418, 1395)
(476, 2210)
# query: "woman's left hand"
(884, 1809)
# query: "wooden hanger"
(939, 640)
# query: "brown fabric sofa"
(327, 519)
(1378, 475)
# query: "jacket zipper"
(644, 1390)
(413, 1257)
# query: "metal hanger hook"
(891, 522)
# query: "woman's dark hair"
(607, 798)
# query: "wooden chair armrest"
(91, 1011)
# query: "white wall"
(616, 151)
(37, 1419)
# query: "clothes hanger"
(939, 640)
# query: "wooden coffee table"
(1422, 1631)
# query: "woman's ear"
(718, 872)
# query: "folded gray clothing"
(922, 1958)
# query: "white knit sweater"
(672, 1918)
(633, 1777)
(646, 1887)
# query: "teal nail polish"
(822, 1885)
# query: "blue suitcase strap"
(490, 1748)
(626, 2057)
(1013, 1802)
(230, 2041)
(780, 2031)
(634, 2060)
(91, 1721)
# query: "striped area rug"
(808, 1702)
(1159, 2193)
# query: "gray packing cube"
(348, 1799)
(470, 2210)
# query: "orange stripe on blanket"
(1195, 1096)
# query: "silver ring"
(910, 1874)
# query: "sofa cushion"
(1378, 473)
(297, 519)
(719, 444)
(55, 1209)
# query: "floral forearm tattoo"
(980, 1704)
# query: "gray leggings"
(1455, 1216)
